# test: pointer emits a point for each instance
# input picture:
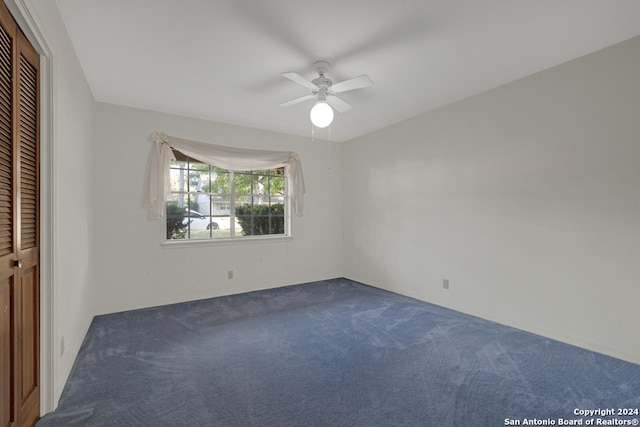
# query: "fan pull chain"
(313, 138)
(329, 146)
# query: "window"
(208, 202)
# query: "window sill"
(175, 244)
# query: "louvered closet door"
(7, 229)
(27, 294)
(19, 227)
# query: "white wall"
(133, 270)
(67, 175)
(527, 198)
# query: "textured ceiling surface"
(222, 60)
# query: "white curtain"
(157, 186)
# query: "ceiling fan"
(324, 91)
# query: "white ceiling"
(222, 59)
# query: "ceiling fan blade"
(297, 100)
(295, 77)
(351, 84)
(338, 104)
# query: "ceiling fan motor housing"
(322, 82)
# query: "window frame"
(235, 235)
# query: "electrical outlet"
(445, 283)
(61, 346)
(230, 274)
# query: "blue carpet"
(331, 353)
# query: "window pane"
(276, 220)
(256, 184)
(218, 183)
(190, 204)
(199, 180)
(178, 179)
(220, 204)
(242, 183)
(176, 228)
(194, 180)
(276, 185)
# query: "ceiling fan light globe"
(321, 115)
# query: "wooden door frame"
(28, 24)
